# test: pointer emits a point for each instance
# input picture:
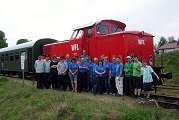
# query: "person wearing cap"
(83, 69)
(39, 70)
(73, 72)
(47, 72)
(137, 76)
(54, 72)
(128, 80)
(68, 78)
(62, 74)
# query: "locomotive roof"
(123, 25)
(23, 45)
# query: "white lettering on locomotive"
(74, 47)
(141, 42)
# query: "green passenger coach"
(10, 57)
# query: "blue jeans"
(108, 84)
(73, 78)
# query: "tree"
(162, 41)
(20, 41)
(171, 39)
(3, 40)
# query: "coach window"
(11, 57)
(116, 29)
(16, 56)
(102, 29)
(89, 33)
(2, 57)
(6, 57)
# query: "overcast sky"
(36, 19)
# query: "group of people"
(99, 76)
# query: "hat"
(128, 57)
(62, 57)
(47, 56)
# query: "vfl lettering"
(141, 42)
(74, 47)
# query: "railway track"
(168, 102)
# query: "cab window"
(102, 29)
(116, 29)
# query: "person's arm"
(156, 75)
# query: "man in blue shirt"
(112, 75)
(107, 66)
(68, 61)
(83, 69)
(147, 72)
(119, 76)
(83, 54)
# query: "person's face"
(100, 62)
(82, 60)
(47, 58)
(62, 59)
(73, 61)
(128, 59)
(67, 56)
(84, 52)
(135, 59)
(96, 61)
(144, 64)
(39, 58)
(55, 59)
(113, 60)
(118, 60)
(105, 59)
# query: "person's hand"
(109, 77)
(157, 78)
(126, 70)
(118, 79)
(135, 67)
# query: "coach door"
(29, 60)
(133, 53)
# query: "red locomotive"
(106, 37)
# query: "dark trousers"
(47, 81)
(98, 84)
(82, 81)
(69, 83)
(54, 81)
(40, 80)
(62, 82)
(129, 89)
(113, 84)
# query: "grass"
(25, 102)
(171, 64)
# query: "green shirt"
(137, 73)
(128, 66)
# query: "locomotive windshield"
(102, 29)
(116, 29)
(77, 34)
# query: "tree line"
(3, 40)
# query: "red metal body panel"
(120, 43)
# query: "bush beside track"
(27, 102)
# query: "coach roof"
(15, 47)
